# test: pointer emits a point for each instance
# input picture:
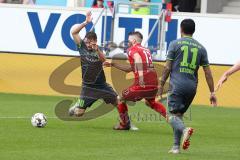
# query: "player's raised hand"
(213, 99)
(89, 17)
(220, 82)
(95, 47)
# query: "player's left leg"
(188, 131)
(175, 120)
(149, 93)
(157, 106)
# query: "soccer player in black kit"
(94, 84)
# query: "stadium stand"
(231, 7)
(222, 6)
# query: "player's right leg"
(125, 124)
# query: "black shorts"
(179, 102)
(91, 94)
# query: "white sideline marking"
(24, 117)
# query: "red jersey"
(149, 74)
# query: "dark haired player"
(94, 84)
(185, 56)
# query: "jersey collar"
(187, 37)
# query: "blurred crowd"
(137, 6)
(145, 9)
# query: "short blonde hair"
(137, 36)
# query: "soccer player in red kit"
(145, 84)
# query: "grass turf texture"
(216, 137)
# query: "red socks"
(158, 107)
(123, 113)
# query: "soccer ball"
(39, 120)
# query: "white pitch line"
(24, 117)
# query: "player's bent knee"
(179, 115)
(150, 103)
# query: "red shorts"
(136, 93)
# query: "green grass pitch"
(217, 134)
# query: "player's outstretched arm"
(165, 74)
(228, 73)
(78, 27)
(210, 82)
(122, 67)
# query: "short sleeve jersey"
(186, 55)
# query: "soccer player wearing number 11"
(185, 56)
